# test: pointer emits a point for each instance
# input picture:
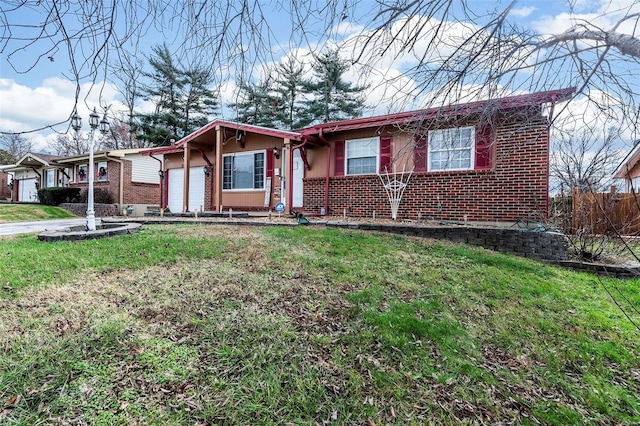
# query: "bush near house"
(56, 196)
(100, 196)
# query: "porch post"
(185, 186)
(217, 180)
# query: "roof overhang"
(30, 160)
(470, 108)
(198, 136)
(118, 153)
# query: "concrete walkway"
(15, 228)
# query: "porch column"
(217, 180)
(185, 187)
(288, 178)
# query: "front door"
(298, 176)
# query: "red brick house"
(130, 178)
(480, 161)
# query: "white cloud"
(601, 14)
(522, 12)
(24, 109)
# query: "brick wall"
(516, 185)
(134, 192)
(138, 192)
(112, 184)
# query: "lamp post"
(76, 124)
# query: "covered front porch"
(227, 166)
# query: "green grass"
(31, 212)
(243, 325)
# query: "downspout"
(549, 123)
(162, 181)
(121, 188)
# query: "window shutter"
(338, 165)
(385, 154)
(484, 153)
(269, 163)
(420, 153)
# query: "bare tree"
(67, 145)
(461, 48)
(128, 71)
(584, 159)
(15, 144)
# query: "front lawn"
(29, 212)
(305, 325)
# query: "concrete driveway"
(37, 226)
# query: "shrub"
(100, 196)
(57, 195)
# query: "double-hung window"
(362, 156)
(451, 149)
(243, 170)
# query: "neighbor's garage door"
(196, 189)
(27, 190)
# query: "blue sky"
(42, 93)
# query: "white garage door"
(27, 190)
(196, 189)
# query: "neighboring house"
(480, 161)
(629, 170)
(131, 178)
(31, 172)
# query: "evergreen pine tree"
(199, 101)
(182, 100)
(257, 105)
(290, 86)
(333, 98)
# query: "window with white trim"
(82, 173)
(243, 170)
(451, 149)
(362, 156)
(101, 171)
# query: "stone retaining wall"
(101, 210)
(522, 242)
